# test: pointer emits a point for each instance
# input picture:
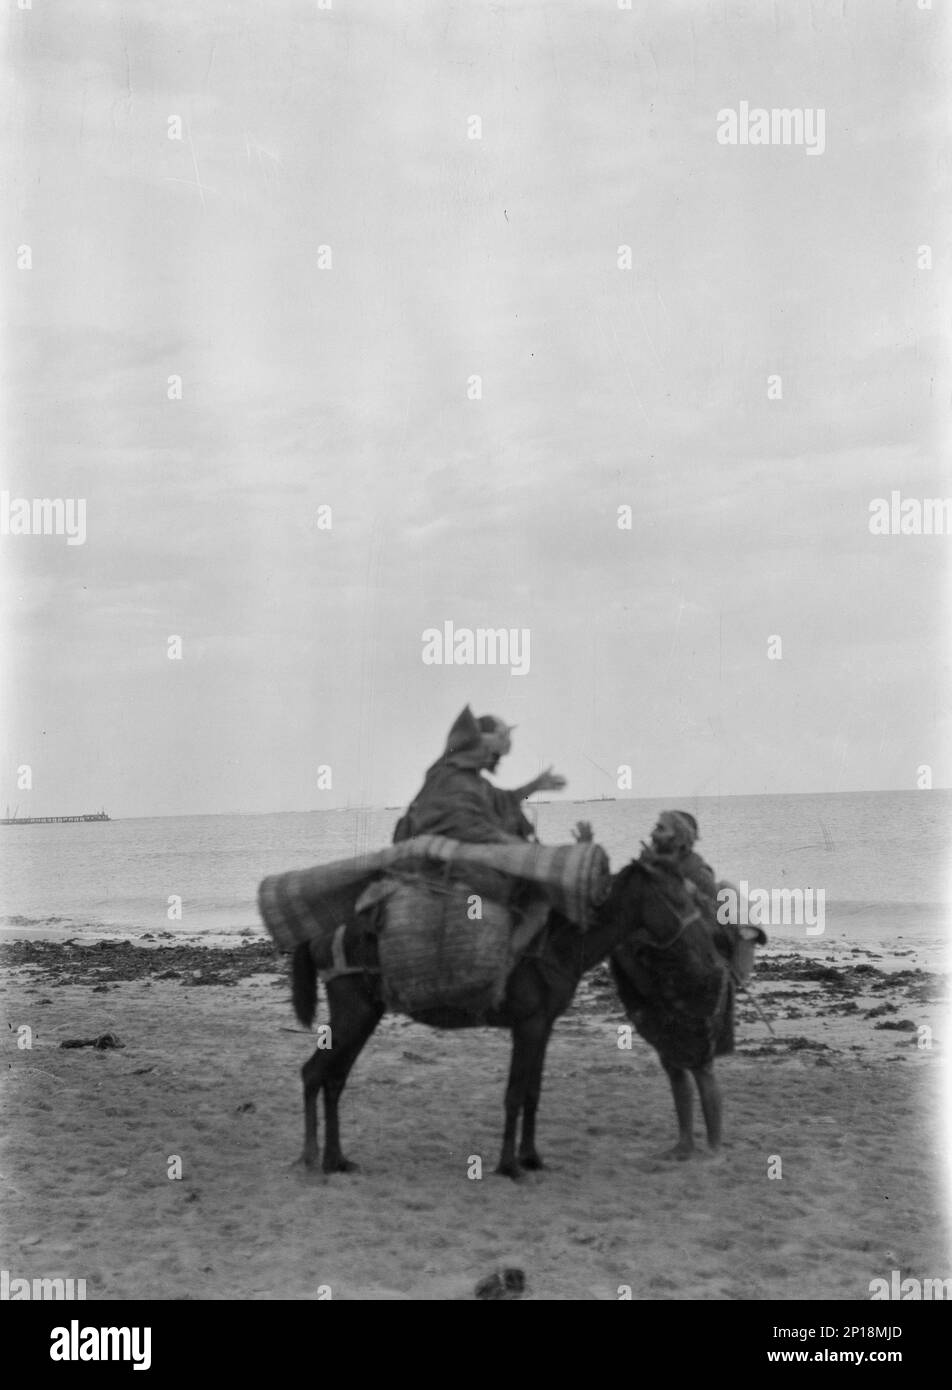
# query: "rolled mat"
(301, 904)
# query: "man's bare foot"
(679, 1154)
(307, 1170)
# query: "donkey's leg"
(684, 1108)
(528, 1037)
(312, 1074)
(354, 1018)
(528, 1154)
(712, 1104)
(347, 1010)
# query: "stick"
(741, 985)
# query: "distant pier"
(52, 820)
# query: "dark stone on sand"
(101, 1043)
(899, 1025)
(502, 1283)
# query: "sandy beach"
(844, 1096)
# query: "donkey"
(539, 989)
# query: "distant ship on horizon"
(50, 820)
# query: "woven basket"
(434, 954)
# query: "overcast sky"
(346, 386)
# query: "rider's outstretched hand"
(549, 781)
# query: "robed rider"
(456, 800)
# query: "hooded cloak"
(457, 801)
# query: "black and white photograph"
(475, 525)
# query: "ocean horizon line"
(668, 799)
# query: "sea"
(883, 861)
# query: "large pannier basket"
(442, 946)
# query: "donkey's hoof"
(509, 1169)
(532, 1163)
(308, 1161)
(340, 1165)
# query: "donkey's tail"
(304, 984)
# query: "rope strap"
(339, 957)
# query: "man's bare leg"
(711, 1104)
(684, 1108)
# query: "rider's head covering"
(495, 733)
(465, 733)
